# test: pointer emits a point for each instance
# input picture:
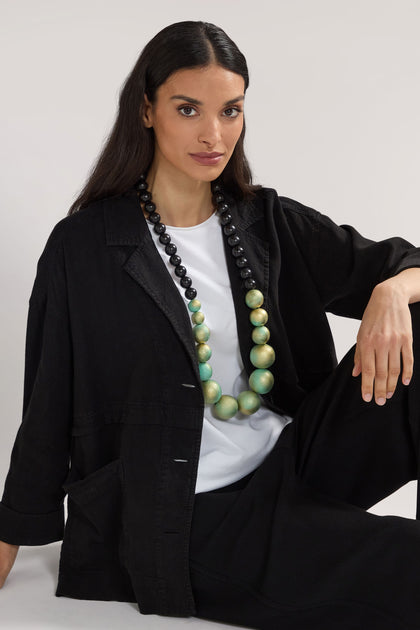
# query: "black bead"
(250, 283)
(175, 260)
(170, 249)
(241, 262)
(216, 188)
(219, 197)
(190, 294)
(225, 218)
(142, 176)
(150, 207)
(246, 272)
(159, 228)
(186, 282)
(142, 185)
(234, 240)
(145, 196)
(180, 271)
(154, 217)
(229, 229)
(165, 239)
(237, 251)
(223, 207)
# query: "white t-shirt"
(230, 449)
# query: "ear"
(147, 112)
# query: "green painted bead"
(261, 381)
(262, 356)
(226, 407)
(260, 334)
(203, 352)
(205, 371)
(194, 305)
(248, 402)
(198, 317)
(201, 333)
(258, 316)
(212, 391)
(254, 298)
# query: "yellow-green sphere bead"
(194, 305)
(205, 370)
(261, 381)
(254, 298)
(226, 407)
(258, 316)
(262, 356)
(248, 402)
(203, 352)
(260, 334)
(198, 317)
(201, 333)
(212, 391)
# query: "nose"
(210, 132)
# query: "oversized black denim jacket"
(112, 404)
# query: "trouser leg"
(355, 451)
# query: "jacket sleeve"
(32, 505)
(344, 265)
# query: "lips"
(207, 155)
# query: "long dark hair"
(129, 149)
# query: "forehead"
(212, 81)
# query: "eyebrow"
(194, 101)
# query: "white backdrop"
(333, 120)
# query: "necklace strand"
(262, 355)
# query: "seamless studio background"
(333, 120)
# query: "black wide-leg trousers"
(291, 546)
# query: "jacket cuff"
(17, 528)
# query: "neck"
(181, 202)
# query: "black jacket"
(107, 416)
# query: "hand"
(385, 336)
(8, 555)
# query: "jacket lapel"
(125, 225)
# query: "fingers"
(381, 369)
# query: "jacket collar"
(125, 225)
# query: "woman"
(227, 480)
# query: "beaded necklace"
(262, 355)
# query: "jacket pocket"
(93, 527)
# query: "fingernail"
(406, 381)
(381, 401)
(367, 397)
(389, 394)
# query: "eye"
(186, 107)
(233, 109)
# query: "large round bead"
(198, 317)
(226, 407)
(203, 352)
(249, 402)
(254, 298)
(201, 333)
(258, 317)
(262, 356)
(212, 391)
(205, 371)
(194, 305)
(261, 381)
(260, 334)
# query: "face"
(196, 111)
